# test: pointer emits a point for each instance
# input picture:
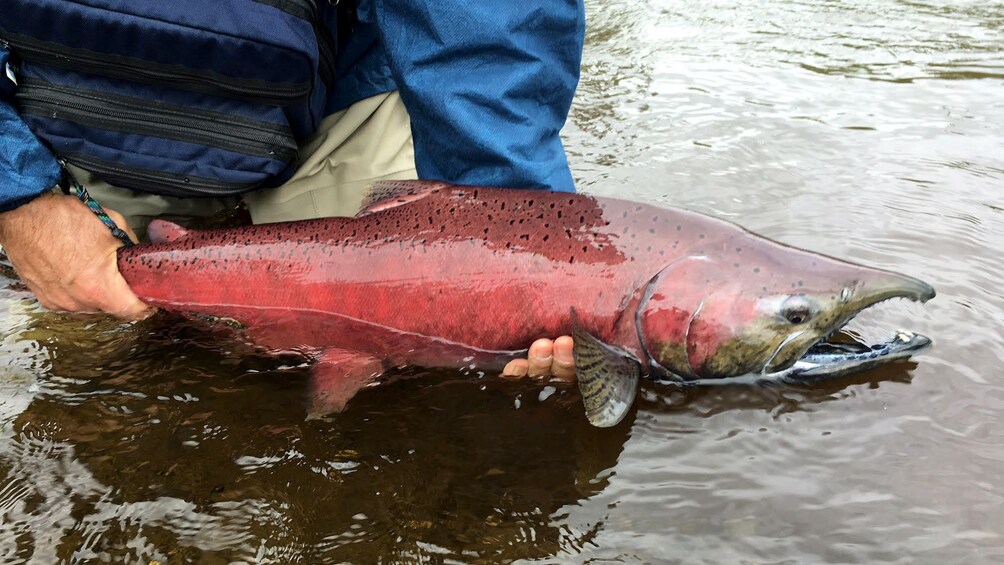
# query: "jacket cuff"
(27, 168)
(9, 205)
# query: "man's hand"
(67, 257)
(546, 358)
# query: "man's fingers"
(125, 304)
(537, 363)
(540, 357)
(55, 301)
(563, 364)
(117, 298)
(546, 358)
(53, 298)
(516, 368)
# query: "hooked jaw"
(823, 359)
(873, 290)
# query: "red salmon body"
(439, 275)
(486, 270)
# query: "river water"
(871, 130)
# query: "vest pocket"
(159, 147)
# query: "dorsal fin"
(162, 231)
(386, 194)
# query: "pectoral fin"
(608, 377)
(337, 376)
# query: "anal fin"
(338, 375)
(608, 377)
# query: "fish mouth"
(828, 359)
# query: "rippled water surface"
(869, 130)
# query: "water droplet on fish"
(546, 393)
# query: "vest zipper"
(122, 113)
(117, 66)
(166, 183)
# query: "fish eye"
(796, 309)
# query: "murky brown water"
(870, 130)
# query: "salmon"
(435, 275)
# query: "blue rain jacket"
(488, 86)
(26, 167)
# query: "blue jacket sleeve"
(27, 168)
(488, 86)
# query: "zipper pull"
(9, 69)
(9, 72)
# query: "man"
(467, 92)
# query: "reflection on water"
(872, 131)
(139, 445)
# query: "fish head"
(760, 310)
